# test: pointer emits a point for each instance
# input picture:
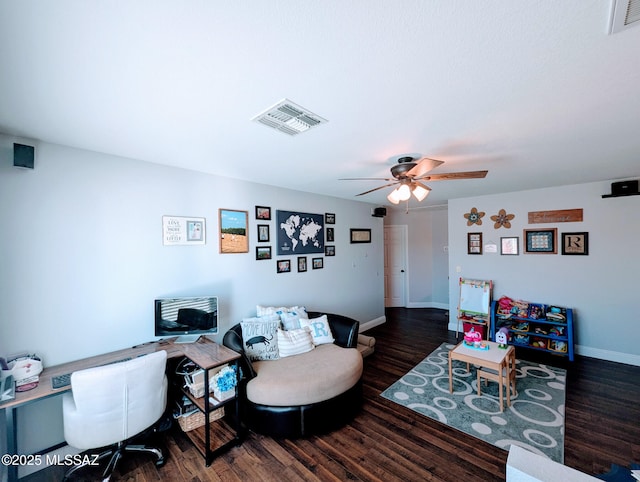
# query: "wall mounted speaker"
(379, 212)
(23, 155)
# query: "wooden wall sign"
(557, 216)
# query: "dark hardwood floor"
(387, 442)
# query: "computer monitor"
(186, 318)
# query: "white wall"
(601, 287)
(427, 271)
(82, 259)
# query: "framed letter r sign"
(575, 243)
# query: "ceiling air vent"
(289, 118)
(624, 13)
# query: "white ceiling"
(535, 91)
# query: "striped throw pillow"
(294, 342)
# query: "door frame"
(405, 235)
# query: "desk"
(205, 353)
(495, 358)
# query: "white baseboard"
(614, 356)
(372, 323)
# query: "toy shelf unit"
(533, 325)
(473, 306)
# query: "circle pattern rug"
(535, 419)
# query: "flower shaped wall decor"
(502, 219)
(474, 217)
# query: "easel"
(474, 304)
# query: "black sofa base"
(304, 420)
(299, 420)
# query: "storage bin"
(196, 419)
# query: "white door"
(395, 265)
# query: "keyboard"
(64, 380)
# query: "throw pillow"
(270, 310)
(259, 337)
(294, 342)
(320, 329)
(290, 321)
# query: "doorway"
(395, 266)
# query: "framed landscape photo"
(509, 245)
(541, 241)
(575, 243)
(360, 235)
(317, 263)
(263, 233)
(263, 213)
(302, 264)
(234, 235)
(474, 243)
(263, 252)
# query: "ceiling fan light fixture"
(419, 192)
(404, 192)
(393, 197)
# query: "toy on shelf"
(555, 313)
(536, 311)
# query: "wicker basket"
(196, 419)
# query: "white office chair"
(110, 404)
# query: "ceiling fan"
(408, 174)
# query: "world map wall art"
(299, 233)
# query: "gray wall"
(82, 259)
(427, 271)
(600, 287)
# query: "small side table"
(495, 358)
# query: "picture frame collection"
(233, 235)
(541, 240)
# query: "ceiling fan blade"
(423, 186)
(366, 179)
(425, 165)
(449, 176)
(375, 189)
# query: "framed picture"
(329, 250)
(263, 233)
(329, 218)
(234, 234)
(330, 237)
(509, 245)
(263, 252)
(575, 243)
(299, 233)
(360, 235)
(474, 243)
(177, 230)
(302, 264)
(284, 266)
(541, 241)
(317, 263)
(263, 213)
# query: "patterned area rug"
(535, 419)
